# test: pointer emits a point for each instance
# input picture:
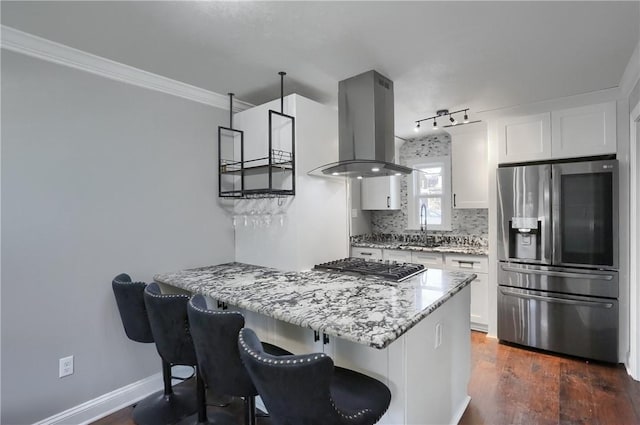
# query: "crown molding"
(41, 48)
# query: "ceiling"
(480, 55)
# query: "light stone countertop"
(446, 249)
(363, 309)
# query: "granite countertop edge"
(446, 249)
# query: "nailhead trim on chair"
(167, 295)
(255, 355)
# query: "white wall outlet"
(65, 366)
(438, 335)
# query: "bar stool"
(164, 406)
(170, 328)
(309, 390)
(215, 337)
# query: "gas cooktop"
(388, 269)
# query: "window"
(430, 185)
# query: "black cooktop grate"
(388, 269)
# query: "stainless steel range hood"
(366, 136)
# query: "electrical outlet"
(438, 335)
(65, 366)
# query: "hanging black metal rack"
(240, 178)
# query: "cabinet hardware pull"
(388, 201)
(558, 273)
(365, 253)
(325, 338)
(316, 336)
(454, 200)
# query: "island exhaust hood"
(365, 121)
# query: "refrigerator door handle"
(556, 202)
(556, 300)
(558, 274)
(548, 231)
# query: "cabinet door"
(479, 265)
(429, 259)
(366, 253)
(480, 303)
(584, 131)
(381, 193)
(525, 138)
(396, 255)
(470, 184)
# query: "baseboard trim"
(106, 404)
(41, 48)
(463, 407)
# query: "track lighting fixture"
(445, 112)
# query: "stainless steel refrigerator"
(558, 257)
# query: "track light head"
(466, 118)
(453, 120)
(417, 127)
(435, 124)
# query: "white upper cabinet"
(525, 138)
(380, 193)
(470, 182)
(584, 131)
(567, 133)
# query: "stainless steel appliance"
(366, 142)
(390, 270)
(558, 257)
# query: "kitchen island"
(412, 335)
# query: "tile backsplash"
(472, 222)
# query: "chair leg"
(202, 398)
(166, 377)
(169, 405)
(250, 410)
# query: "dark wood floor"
(511, 385)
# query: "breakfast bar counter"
(413, 335)
(363, 309)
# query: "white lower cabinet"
(480, 303)
(479, 265)
(366, 253)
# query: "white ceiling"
(481, 55)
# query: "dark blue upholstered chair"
(170, 328)
(309, 390)
(215, 337)
(165, 406)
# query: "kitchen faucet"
(423, 222)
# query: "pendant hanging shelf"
(266, 176)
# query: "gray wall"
(98, 178)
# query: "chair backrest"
(133, 312)
(170, 325)
(295, 389)
(215, 337)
